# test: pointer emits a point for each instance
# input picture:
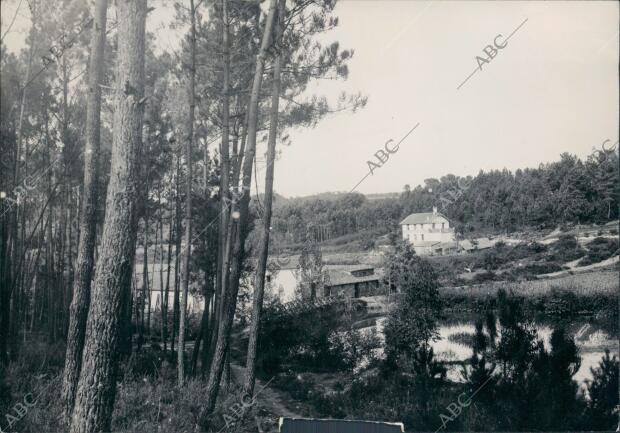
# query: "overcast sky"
(552, 89)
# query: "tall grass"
(591, 292)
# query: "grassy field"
(592, 283)
(588, 293)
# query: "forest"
(114, 148)
(563, 192)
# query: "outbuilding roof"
(339, 277)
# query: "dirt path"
(269, 398)
(580, 269)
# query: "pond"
(592, 339)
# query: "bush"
(304, 336)
(484, 277)
(599, 249)
(541, 268)
(565, 249)
(562, 303)
(355, 348)
(536, 247)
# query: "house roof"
(338, 277)
(423, 218)
(301, 425)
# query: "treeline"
(566, 191)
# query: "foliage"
(599, 249)
(413, 323)
(601, 410)
(532, 388)
(310, 273)
(316, 337)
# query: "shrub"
(484, 277)
(565, 249)
(562, 303)
(305, 336)
(536, 247)
(599, 249)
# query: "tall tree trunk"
(263, 249)
(161, 264)
(188, 198)
(239, 225)
(177, 251)
(96, 387)
(145, 279)
(224, 163)
(88, 218)
(167, 290)
(11, 313)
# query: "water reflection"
(591, 339)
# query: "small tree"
(310, 273)
(413, 323)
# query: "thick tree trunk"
(263, 249)
(239, 225)
(88, 218)
(96, 387)
(188, 198)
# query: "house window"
(442, 224)
(433, 225)
(415, 237)
(422, 237)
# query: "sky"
(552, 88)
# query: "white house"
(429, 232)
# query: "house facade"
(429, 233)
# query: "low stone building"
(352, 283)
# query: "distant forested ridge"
(566, 191)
